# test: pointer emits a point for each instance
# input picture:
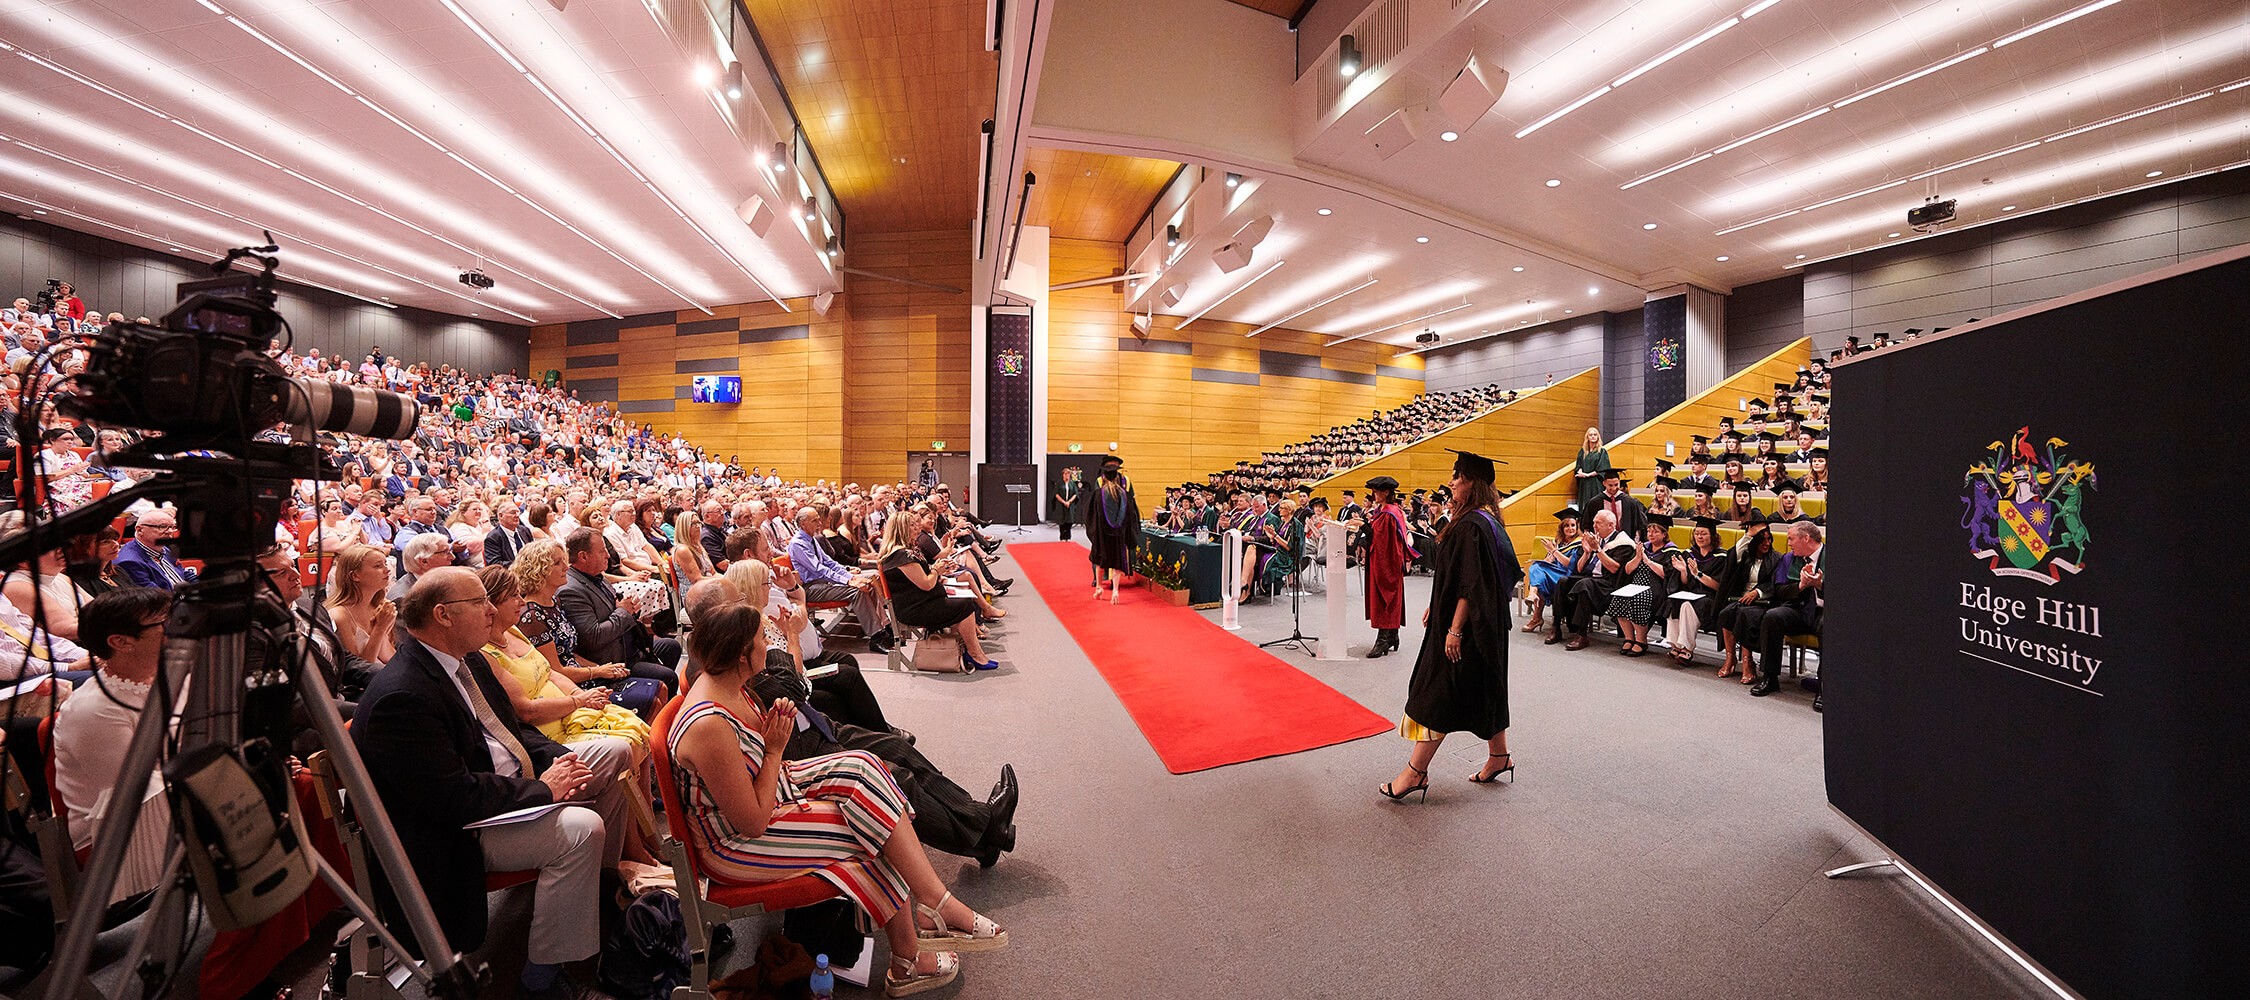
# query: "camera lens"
(353, 409)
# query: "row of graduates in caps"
(1731, 588)
(1365, 439)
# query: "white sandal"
(981, 935)
(948, 969)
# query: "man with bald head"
(445, 749)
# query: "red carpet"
(1203, 697)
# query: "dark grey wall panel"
(724, 324)
(1215, 375)
(1990, 270)
(1624, 347)
(1136, 344)
(646, 406)
(707, 365)
(1763, 318)
(1391, 371)
(770, 335)
(122, 278)
(1519, 360)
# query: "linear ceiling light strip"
(456, 157)
(1221, 300)
(2018, 148)
(1637, 72)
(85, 81)
(600, 140)
(184, 248)
(1395, 326)
(1310, 308)
(183, 199)
(1862, 95)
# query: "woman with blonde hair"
(690, 563)
(362, 614)
(918, 595)
(1592, 459)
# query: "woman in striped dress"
(841, 817)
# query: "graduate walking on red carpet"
(1460, 681)
(1388, 550)
(1112, 526)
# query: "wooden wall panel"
(1528, 512)
(906, 359)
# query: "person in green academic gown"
(1592, 459)
(1070, 501)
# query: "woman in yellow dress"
(562, 711)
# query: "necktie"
(819, 721)
(171, 571)
(491, 722)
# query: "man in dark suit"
(1589, 595)
(147, 560)
(445, 749)
(714, 515)
(1797, 602)
(507, 537)
(611, 629)
(1631, 515)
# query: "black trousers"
(1774, 627)
(946, 816)
(27, 917)
(1065, 526)
(1589, 597)
(1566, 598)
(844, 696)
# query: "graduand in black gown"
(1460, 681)
(1113, 523)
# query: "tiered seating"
(1368, 438)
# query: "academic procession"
(1120, 498)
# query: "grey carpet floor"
(1665, 838)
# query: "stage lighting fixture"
(1234, 180)
(812, 209)
(734, 81)
(1171, 236)
(1347, 55)
(835, 249)
(781, 157)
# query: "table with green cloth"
(1202, 562)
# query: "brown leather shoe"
(1554, 637)
(1577, 642)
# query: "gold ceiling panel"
(892, 95)
(1092, 196)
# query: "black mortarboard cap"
(1741, 486)
(1731, 436)
(1663, 465)
(1473, 466)
(1756, 405)
(1700, 439)
(1787, 485)
(1708, 487)
(1911, 331)
(1817, 451)
(1617, 474)
(1665, 481)
(1567, 513)
(1382, 483)
(1727, 419)
(1781, 389)
(1707, 522)
(1768, 436)
(1821, 398)
(1699, 456)
(1109, 460)
(1661, 520)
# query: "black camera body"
(200, 376)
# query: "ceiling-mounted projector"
(476, 279)
(1426, 337)
(1932, 213)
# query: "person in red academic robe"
(1387, 554)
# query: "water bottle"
(823, 982)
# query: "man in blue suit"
(147, 560)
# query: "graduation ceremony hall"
(1457, 499)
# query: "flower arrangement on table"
(1170, 574)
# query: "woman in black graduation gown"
(1460, 681)
(1113, 520)
(1700, 569)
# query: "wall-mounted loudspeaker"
(1172, 295)
(1232, 257)
(821, 302)
(1398, 130)
(756, 214)
(1472, 93)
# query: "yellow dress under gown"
(533, 672)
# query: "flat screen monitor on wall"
(718, 389)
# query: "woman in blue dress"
(1564, 552)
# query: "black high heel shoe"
(1401, 794)
(1509, 770)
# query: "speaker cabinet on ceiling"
(756, 214)
(1472, 93)
(1232, 257)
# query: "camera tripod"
(204, 651)
(1296, 637)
